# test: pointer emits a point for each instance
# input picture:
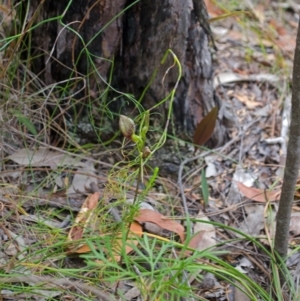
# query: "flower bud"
(127, 126)
(146, 152)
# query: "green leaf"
(206, 127)
(204, 187)
(228, 15)
(25, 121)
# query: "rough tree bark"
(137, 41)
(291, 172)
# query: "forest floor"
(81, 226)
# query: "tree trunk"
(136, 41)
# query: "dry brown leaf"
(258, 195)
(238, 293)
(205, 127)
(278, 27)
(43, 157)
(205, 233)
(84, 216)
(10, 249)
(287, 43)
(284, 40)
(254, 222)
(133, 293)
(81, 249)
(196, 239)
(259, 12)
(135, 230)
(248, 101)
(146, 215)
(295, 223)
(82, 178)
(213, 9)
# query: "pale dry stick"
(57, 37)
(227, 209)
(266, 228)
(261, 266)
(193, 172)
(275, 110)
(167, 71)
(211, 214)
(52, 86)
(229, 245)
(59, 282)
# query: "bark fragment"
(136, 41)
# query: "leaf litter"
(242, 176)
